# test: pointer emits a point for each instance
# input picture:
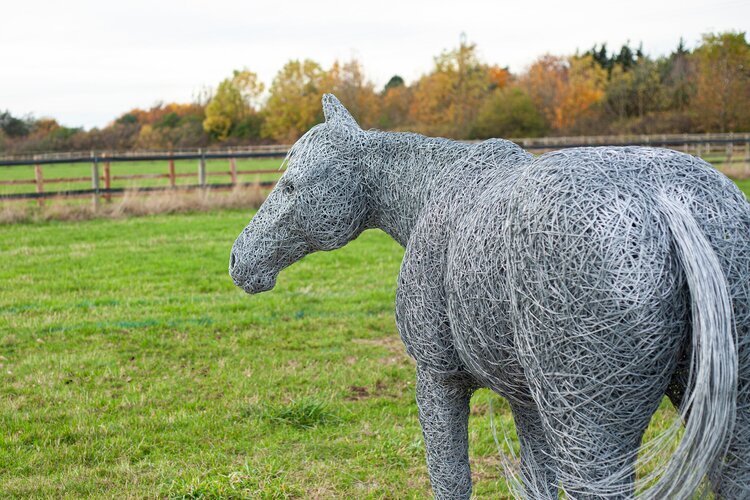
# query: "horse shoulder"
(421, 313)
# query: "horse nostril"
(232, 260)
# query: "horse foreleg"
(443, 402)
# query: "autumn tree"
(499, 77)
(545, 81)
(565, 89)
(509, 112)
(722, 98)
(162, 126)
(395, 100)
(432, 105)
(294, 102)
(234, 105)
(583, 90)
(446, 101)
(348, 82)
(597, 92)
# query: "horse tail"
(709, 407)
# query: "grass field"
(131, 367)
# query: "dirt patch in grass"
(488, 467)
(358, 392)
(392, 344)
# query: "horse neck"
(400, 168)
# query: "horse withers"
(582, 286)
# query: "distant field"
(74, 170)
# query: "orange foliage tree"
(565, 89)
(447, 100)
(544, 81)
(294, 102)
(348, 82)
(583, 90)
(395, 102)
(722, 99)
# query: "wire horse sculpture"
(581, 285)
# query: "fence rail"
(731, 148)
(274, 149)
(101, 177)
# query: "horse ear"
(335, 113)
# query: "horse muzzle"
(249, 280)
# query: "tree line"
(599, 91)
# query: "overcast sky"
(84, 62)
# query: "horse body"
(605, 300)
(548, 280)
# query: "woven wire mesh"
(582, 286)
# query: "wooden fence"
(101, 177)
(730, 149)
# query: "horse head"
(319, 203)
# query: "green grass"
(130, 366)
(74, 170)
(744, 185)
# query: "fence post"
(171, 171)
(202, 169)
(107, 181)
(730, 154)
(39, 178)
(95, 180)
(233, 171)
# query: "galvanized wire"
(582, 286)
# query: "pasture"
(130, 366)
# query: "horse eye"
(288, 189)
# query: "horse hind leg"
(594, 446)
(538, 468)
(596, 394)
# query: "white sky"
(85, 62)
